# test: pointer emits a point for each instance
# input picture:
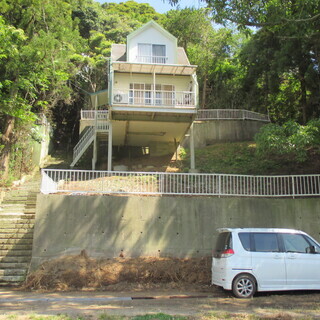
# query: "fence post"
(219, 186)
(293, 187)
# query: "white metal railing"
(151, 59)
(162, 183)
(230, 114)
(155, 98)
(91, 114)
(83, 143)
(102, 125)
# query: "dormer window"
(151, 53)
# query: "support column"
(110, 147)
(192, 156)
(95, 151)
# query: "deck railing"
(137, 97)
(162, 183)
(230, 114)
(151, 59)
(91, 114)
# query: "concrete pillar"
(95, 151)
(192, 156)
(110, 147)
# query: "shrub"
(290, 139)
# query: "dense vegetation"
(52, 52)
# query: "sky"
(163, 6)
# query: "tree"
(37, 40)
(287, 35)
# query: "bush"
(290, 139)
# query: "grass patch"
(242, 158)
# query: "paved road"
(171, 302)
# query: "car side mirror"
(312, 249)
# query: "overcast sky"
(163, 6)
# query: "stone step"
(25, 224)
(15, 259)
(16, 215)
(11, 280)
(13, 272)
(15, 247)
(24, 231)
(22, 215)
(15, 253)
(14, 265)
(16, 241)
(16, 236)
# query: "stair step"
(24, 224)
(13, 272)
(16, 259)
(16, 253)
(16, 236)
(11, 279)
(16, 241)
(14, 265)
(15, 247)
(16, 215)
(21, 230)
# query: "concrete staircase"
(17, 215)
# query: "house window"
(144, 94)
(151, 53)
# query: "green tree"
(37, 40)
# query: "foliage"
(289, 139)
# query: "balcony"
(151, 59)
(157, 98)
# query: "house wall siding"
(123, 80)
(152, 36)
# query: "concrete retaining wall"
(106, 226)
(213, 131)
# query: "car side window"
(295, 243)
(245, 240)
(266, 242)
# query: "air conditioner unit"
(120, 98)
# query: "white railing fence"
(83, 143)
(230, 114)
(91, 114)
(154, 98)
(162, 183)
(151, 59)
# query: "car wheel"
(244, 286)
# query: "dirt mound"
(83, 272)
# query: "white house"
(151, 100)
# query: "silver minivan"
(250, 260)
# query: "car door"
(302, 261)
(268, 261)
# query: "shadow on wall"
(113, 226)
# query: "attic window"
(151, 53)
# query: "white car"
(250, 260)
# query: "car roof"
(279, 230)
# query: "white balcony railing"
(230, 114)
(91, 114)
(154, 98)
(163, 183)
(152, 59)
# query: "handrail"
(230, 114)
(164, 183)
(82, 143)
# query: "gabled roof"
(149, 24)
(119, 53)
